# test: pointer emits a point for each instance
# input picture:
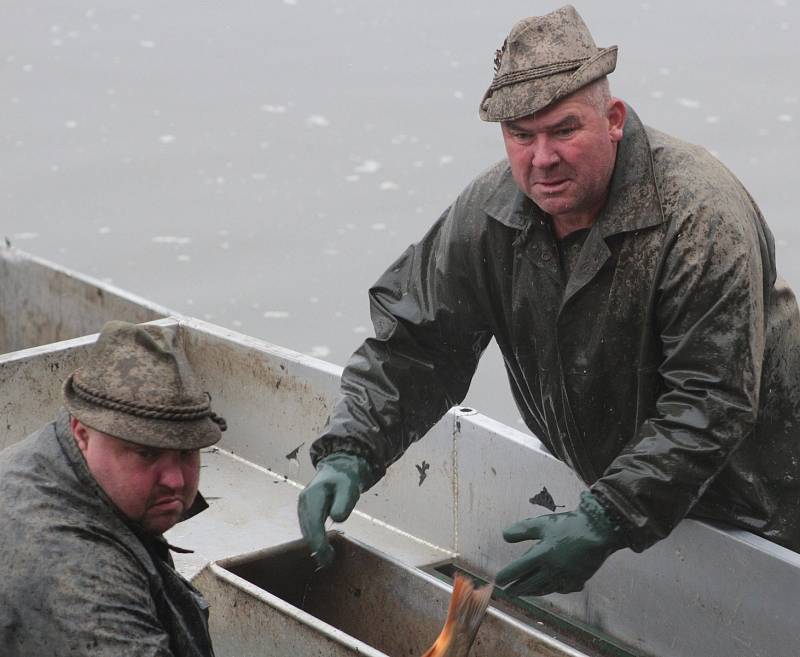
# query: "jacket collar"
(633, 200)
(508, 204)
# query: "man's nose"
(544, 155)
(172, 475)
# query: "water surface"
(259, 165)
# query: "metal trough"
(275, 602)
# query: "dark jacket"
(665, 371)
(75, 577)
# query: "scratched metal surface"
(42, 302)
(277, 401)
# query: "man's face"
(563, 157)
(151, 486)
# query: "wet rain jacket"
(665, 371)
(75, 578)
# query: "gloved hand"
(334, 491)
(571, 548)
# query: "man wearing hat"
(84, 501)
(629, 280)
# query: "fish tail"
(464, 616)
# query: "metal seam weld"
(456, 430)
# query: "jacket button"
(545, 256)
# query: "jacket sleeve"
(710, 318)
(429, 336)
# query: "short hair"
(597, 94)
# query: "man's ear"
(617, 111)
(80, 433)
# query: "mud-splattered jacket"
(665, 371)
(75, 577)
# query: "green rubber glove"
(572, 546)
(334, 491)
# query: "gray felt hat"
(544, 59)
(138, 386)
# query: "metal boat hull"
(705, 590)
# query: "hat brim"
(163, 434)
(524, 98)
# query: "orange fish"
(467, 608)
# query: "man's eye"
(564, 132)
(190, 455)
(147, 454)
